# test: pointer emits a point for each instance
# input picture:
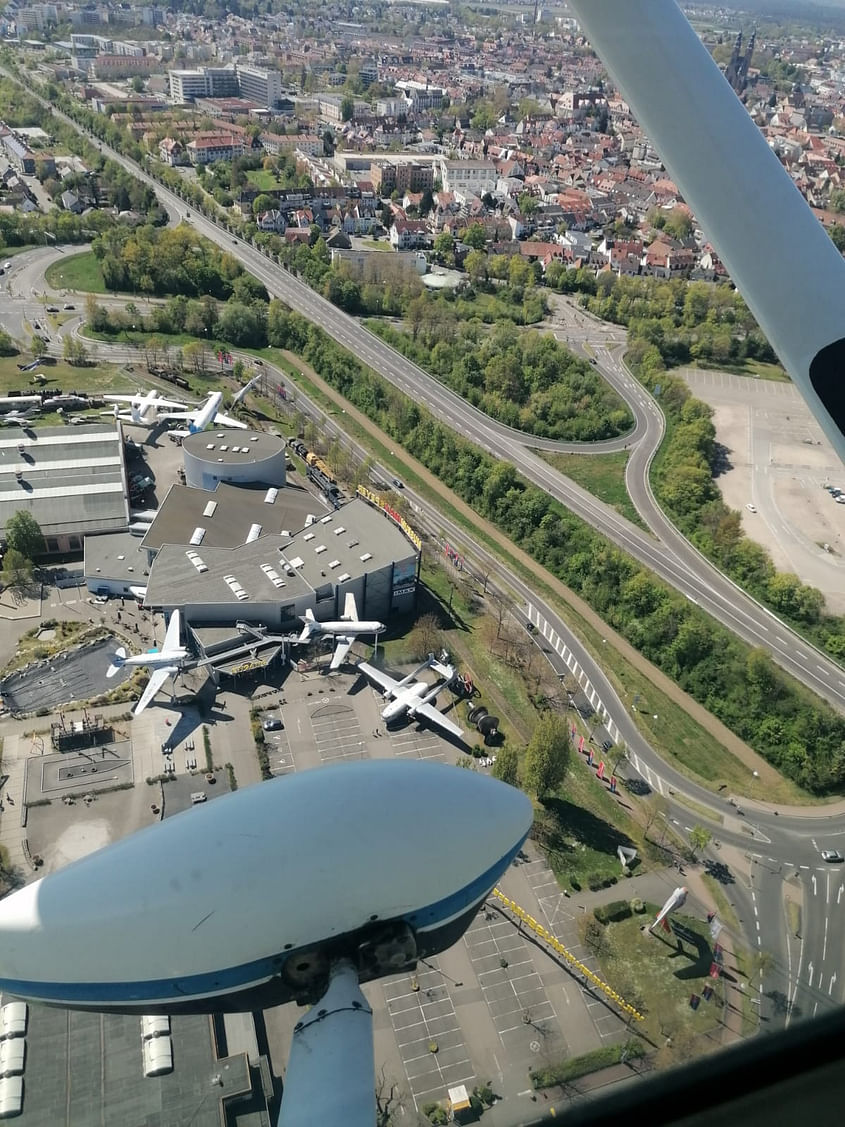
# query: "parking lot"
(428, 1034)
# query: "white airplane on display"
(143, 409)
(241, 395)
(164, 663)
(204, 416)
(414, 698)
(345, 631)
(19, 418)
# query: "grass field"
(376, 244)
(262, 179)
(658, 973)
(61, 377)
(603, 475)
(76, 272)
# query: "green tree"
(17, 570)
(74, 351)
(7, 345)
(23, 534)
(506, 766)
(444, 246)
(699, 839)
(547, 755)
(476, 266)
(837, 233)
(474, 237)
(347, 108)
(262, 203)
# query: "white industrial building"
(270, 576)
(233, 456)
(71, 479)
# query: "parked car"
(68, 305)
(832, 856)
(751, 508)
(272, 724)
(52, 309)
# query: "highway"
(673, 558)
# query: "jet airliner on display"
(414, 698)
(166, 662)
(204, 416)
(345, 631)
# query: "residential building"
(423, 95)
(407, 234)
(210, 147)
(468, 176)
(401, 176)
(19, 154)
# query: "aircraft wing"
(171, 638)
(157, 679)
(143, 401)
(382, 679)
(433, 716)
(228, 421)
(341, 649)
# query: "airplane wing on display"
(143, 400)
(433, 716)
(343, 642)
(381, 679)
(154, 685)
(228, 421)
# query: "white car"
(751, 508)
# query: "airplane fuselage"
(350, 629)
(156, 658)
(407, 700)
(206, 414)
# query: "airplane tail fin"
(117, 662)
(308, 628)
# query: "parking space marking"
(423, 1017)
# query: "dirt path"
(707, 720)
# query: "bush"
(566, 1071)
(595, 882)
(613, 912)
(576, 884)
(233, 782)
(637, 906)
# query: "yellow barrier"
(382, 503)
(559, 949)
